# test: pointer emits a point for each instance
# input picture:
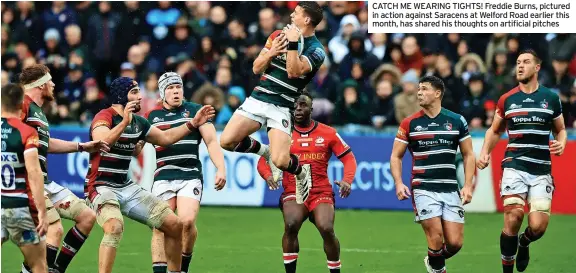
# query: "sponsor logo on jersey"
(320, 140)
(157, 119)
(170, 114)
(433, 124)
(420, 128)
(3, 145)
(514, 106)
(528, 100)
(312, 156)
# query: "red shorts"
(313, 200)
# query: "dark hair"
(307, 94)
(436, 83)
(12, 97)
(313, 10)
(33, 73)
(533, 53)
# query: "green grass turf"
(249, 240)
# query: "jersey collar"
(308, 129)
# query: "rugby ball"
(300, 41)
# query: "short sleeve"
(271, 38)
(403, 131)
(557, 104)
(501, 106)
(338, 145)
(103, 118)
(315, 56)
(30, 140)
(463, 130)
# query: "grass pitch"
(233, 240)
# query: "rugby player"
(433, 136)
(109, 190)
(528, 112)
(24, 219)
(313, 143)
(61, 202)
(178, 177)
(287, 66)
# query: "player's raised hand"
(205, 113)
(556, 147)
(220, 180)
(345, 188)
(466, 194)
(483, 161)
(402, 191)
(292, 33)
(95, 146)
(272, 184)
(129, 109)
(279, 45)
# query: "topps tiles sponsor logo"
(528, 119)
(434, 142)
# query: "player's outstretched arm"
(173, 135)
(296, 65)
(469, 168)
(58, 146)
(36, 182)
(208, 132)
(560, 136)
(398, 150)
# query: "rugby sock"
(51, 253)
(25, 269)
(72, 243)
(159, 267)
(290, 260)
(449, 251)
(186, 258)
(528, 237)
(334, 266)
(294, 166)
(250, 145)
(436, 260)
(508, 247)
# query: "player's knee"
(86, 220)
(291, 227)
(113, 226)
(227, 143)
(188, 224)
(326, 230)
(281, 160)
(56, 231)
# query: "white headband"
(47, 77)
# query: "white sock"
(264, 151)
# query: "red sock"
(334, 266)
(290, 262)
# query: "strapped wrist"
(293, 45)
(79, 147)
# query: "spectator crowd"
(367, 79)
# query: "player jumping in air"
(109, 190)
(178, 177)
(528, 112)
(287, 66)
(60, 202)
(24, 219)
(433, 136)
(313, 143)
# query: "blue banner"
(373, 187)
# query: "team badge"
(461, 213)
(320, 140)
(544, 104)
(285, 123)
(186, 114)
(196, 191)
(448, 126)
(548, 189)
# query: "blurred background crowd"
(367, 79)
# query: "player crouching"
(110, 191)
(314, 143)
(178, 177)
(433, 136)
